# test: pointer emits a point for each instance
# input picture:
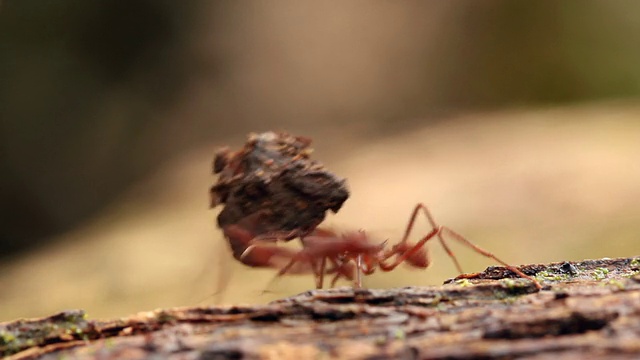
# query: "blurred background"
(515, 122)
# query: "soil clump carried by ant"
(271, 185)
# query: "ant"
(323, 246)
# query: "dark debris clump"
(273, 184)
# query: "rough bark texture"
(589, 309)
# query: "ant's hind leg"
(485, 253)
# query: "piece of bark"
(588, 309)
(272, 185)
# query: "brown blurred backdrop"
(516, 123)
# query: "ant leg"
(358, 282)
(308, 256)
(404, 255)
(342, 269)
(307, 241)
(437, 231)
(285, 269)
(275, 257)
(410, 225)
(335, 279)
(434, 225)
(464, 241)
(485, 253)
(364, 266)
(414, 216)
(319, 274)
(450, 253)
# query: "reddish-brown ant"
(322, 247)
(273, 192)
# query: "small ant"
(323, 246)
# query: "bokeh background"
(516, 122)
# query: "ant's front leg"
(485, 253)
(415, 255)
(437, 231)
(420, 258)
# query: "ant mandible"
(322, 247)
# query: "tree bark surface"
(588, 309)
